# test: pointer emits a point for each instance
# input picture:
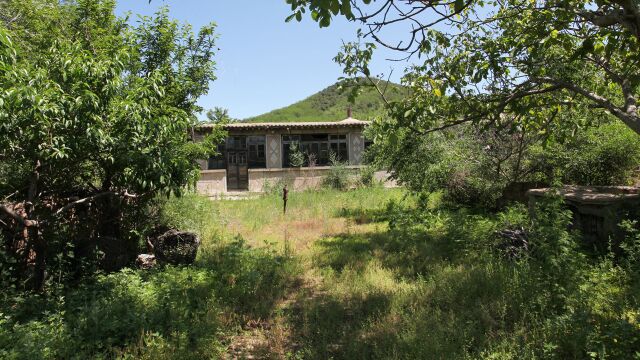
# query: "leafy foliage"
(95, 112)
(476, 166)
(524, 73)
(606, 155)
(339, 176)
(166, 313)
(219, 115)
(547, 64)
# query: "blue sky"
(263, 62)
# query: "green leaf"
(335, 7)
(393, 139)
(346, 9)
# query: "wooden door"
(237, 170)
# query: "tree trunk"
(108, 230)
(33, 232)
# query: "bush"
(274, 187)
(338, 176)
(190, 212)
(475, 166)
(366, 177)
(606, 155)
(167, 313)
(470, 190)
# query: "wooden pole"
(285, 196)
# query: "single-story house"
(257, 155)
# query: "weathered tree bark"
(38, 243)
(108, 227)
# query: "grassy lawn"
(311, 215)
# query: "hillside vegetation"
(331, 104)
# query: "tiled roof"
(350, 122)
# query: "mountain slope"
(331, 104)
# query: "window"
(338, 144)
(315, 147)
(236, 143)
(217, 162)
(256, 150)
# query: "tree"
(219, 115)
(94, 121)
(551, 66)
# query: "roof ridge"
(305, 124)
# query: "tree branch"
(92, 198)
(628, 115)
(21, 220)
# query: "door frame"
(237, 170)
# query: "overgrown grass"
(171, 312)
(372, 273)
(310, 214)
(435, 285)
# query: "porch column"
(356, 148)
(274, 156)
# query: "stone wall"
(296, 178)
(212, 182)
(302, 178)
(597, 210)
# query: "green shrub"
(475, 167)
(366, 176)
(296, 157)
(604, 155)
(338, 176)
(275, 186)
(190, 212)
(629, 247)
(467, 189)
(167, 313)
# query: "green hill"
(331, 104)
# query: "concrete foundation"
(597, 210)
(214, 182)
